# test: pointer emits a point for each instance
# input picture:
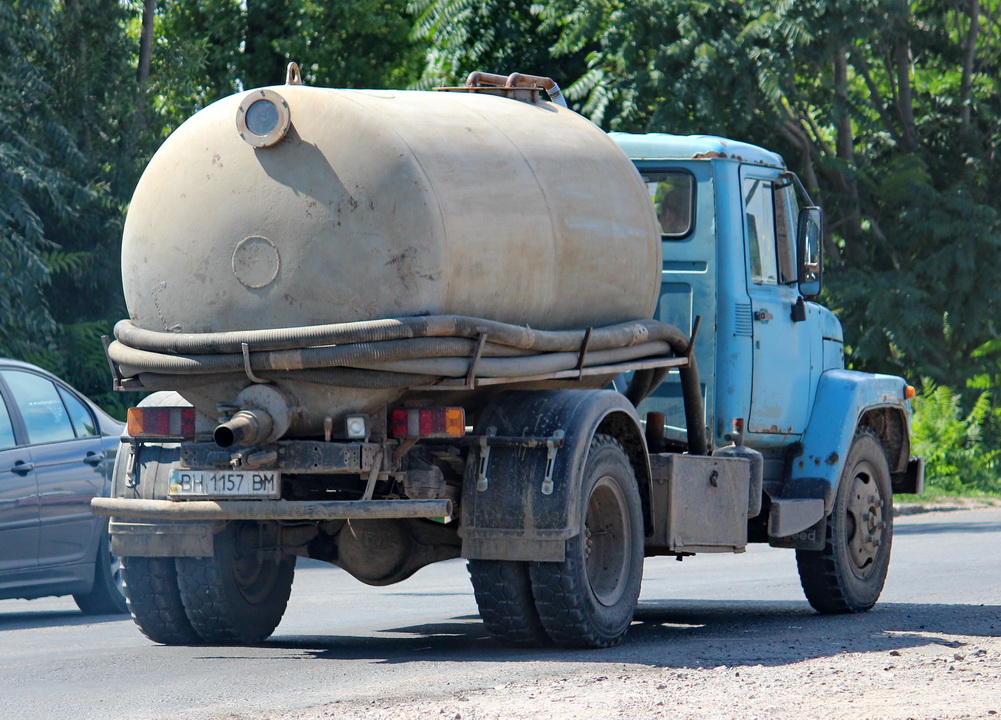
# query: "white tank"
(379, 204)
(376, 204)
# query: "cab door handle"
(762, 315)
(22, 468)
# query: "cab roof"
(662, 146)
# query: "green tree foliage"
(498, 36)
(37, 191)
(206, 49)
(889, 111)
(952, 442)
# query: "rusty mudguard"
(520, 498)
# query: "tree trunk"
(146, 44)
(905, 103)
(969, 57)
(845, 143)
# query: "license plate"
(224, 484)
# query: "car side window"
(83, 421)
(42, 410)
(6, 427)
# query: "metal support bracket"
(583, 353)
(130, 466)
(691, 341)
(245, 349)
(373, 476)
(471, 375)
(482, 482)
(116, 377)
(552, 445)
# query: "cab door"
(780, 386)
(18, 496)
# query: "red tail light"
(162, 422)
(427, 422)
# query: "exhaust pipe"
(246, 428)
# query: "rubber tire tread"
(567, 608)
(824, 574)
(503, 592)
(104, 597)
(214, 605)
(153, 598)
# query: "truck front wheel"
(588, 600)
(238, 595)
(847, 576)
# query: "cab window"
(673, 196)
(768, 216)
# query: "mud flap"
(520, 492)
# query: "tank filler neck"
(516, 85)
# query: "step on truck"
(383, 329)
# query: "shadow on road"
(947, 527)
(684, 635)
(29, 620)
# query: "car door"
(780, 387)
(66, 451)
(18, 495)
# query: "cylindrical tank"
(380, 204)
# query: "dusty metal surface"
(274, 510)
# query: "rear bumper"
(136, 509)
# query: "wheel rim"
(606, 541)
(254, 572)
(116, 575)
(865, 523)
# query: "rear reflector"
(162, 422)
(427, 422)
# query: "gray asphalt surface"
(341, 640)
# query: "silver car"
(57, 450)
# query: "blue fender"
(843, 397)
(509, 511)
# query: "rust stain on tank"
(833, 458)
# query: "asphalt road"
(343, 641)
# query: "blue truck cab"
(731, 214)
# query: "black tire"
(155, 600)
(107, 597)
(588, 600)
(238, 595)
(503, 592)
(847, 576)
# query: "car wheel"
(107, 597)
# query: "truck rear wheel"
(847, 576)
(503, 591)
(154, 600)
(588, 600)
(238, 595)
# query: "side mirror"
(809, 241)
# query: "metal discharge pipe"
(246, 428)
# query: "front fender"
(513, 517)
(843, 397)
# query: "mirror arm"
(790, 175)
